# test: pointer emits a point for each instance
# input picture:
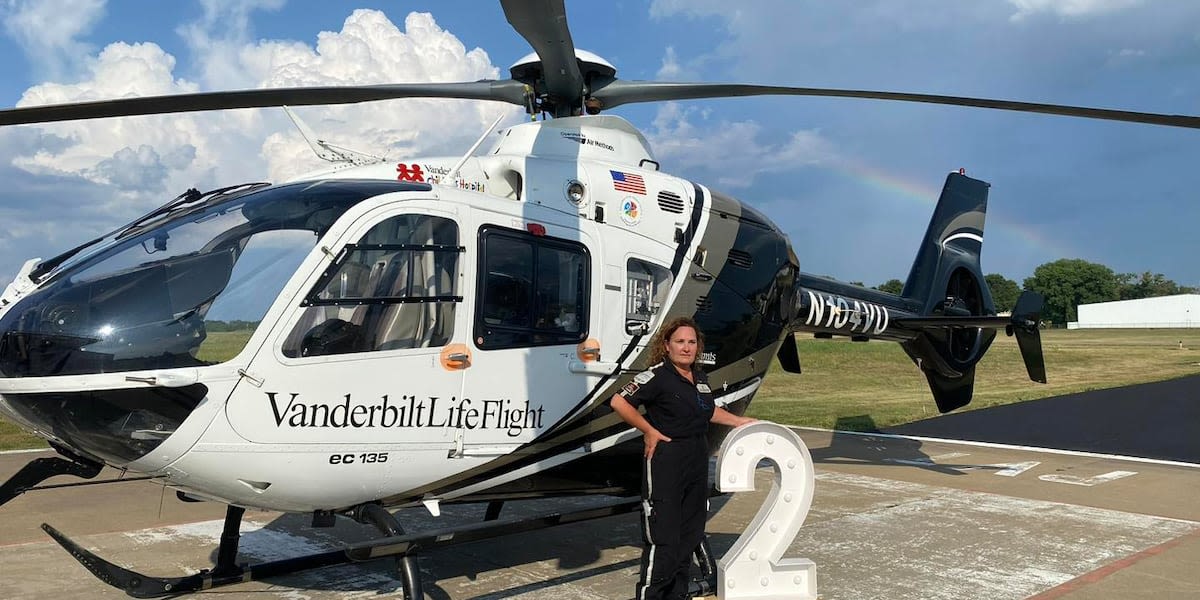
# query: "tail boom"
(944, 318)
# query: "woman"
(679, 407)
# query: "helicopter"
(446, 329)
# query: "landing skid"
(396, 544)
(41, 469)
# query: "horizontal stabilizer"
(1025, 321)
(1023, 324)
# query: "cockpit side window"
(646, 288)
(533, 290)
(395, 288)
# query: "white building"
(1182, 310)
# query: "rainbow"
(909, 191)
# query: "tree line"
(1066, 283)
(230, 325)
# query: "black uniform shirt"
(674, 406)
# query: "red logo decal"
(410, 173)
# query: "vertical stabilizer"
(953, 239)
(946, 280)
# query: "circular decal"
(631, 211)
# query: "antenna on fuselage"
(330, 152)
(458, 165)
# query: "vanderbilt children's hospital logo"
(406, 412)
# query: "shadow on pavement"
(851, 448)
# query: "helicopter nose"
(115, 426)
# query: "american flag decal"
(628, 182)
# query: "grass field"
(861, 386)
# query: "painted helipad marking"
(1010, 469)
(1014, 469)
(1152, 461)
(899, 539)
(1090, 481)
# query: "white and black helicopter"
(440, 330)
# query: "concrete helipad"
(891, 518)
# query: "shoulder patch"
(630, 389)
(643, 377)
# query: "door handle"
(455, 357)
(171, 379)
(592, 367)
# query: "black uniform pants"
(674, 507)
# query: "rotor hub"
(528, 70)
(596, 73)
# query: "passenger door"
(372, 353)
(535, 310)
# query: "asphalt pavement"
(1153, 420)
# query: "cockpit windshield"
(185, 290)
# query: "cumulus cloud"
(136, 163)
(140, 169)
(670, 69)
(788, 13)
(47, 30)
(673, 69)
(44, 215)
(696, 8)
(232, 15)
(98, 150)
(220, 36)
(732, 151)
(369, 49)
(1069, 8)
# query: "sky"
(852, 182)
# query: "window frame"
(344, 255)
(554, 337)
(660, 289)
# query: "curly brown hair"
(658, 344)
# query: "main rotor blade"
(627, 92)
(506, 90)
(543, 23)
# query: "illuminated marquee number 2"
(754, 567)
